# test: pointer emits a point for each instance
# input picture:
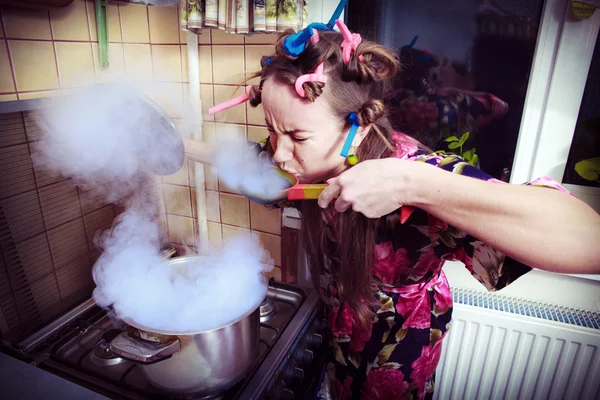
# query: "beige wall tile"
(6, 79)
(192, 172)
(170, 97)
(164, 24)
(229, 232)
(178, 200)
(213, 207)
(134, 23)
(206, 95)
(70, 22)
(222, 37)
(138, 60)
(178, 178)
(265, 220)
(167, 63)
(272, 244)
(228, 64)
(203, 38)
(209, 133)
(194, 196)
(114, 22)
(8, 97)
(75, 64)
(253, 56)
(211, 178)
(235, 114)
(261, 38)
(256, 115)
(181, 229)
(257, 133)
(116, 63)
(29, 76)
(21, 23)
(185, 75)
(234, 210)
(192, 116)
(205, 64)
(39, 95)
(275, 274)
(225, 132)
(215, 238)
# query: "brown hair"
(356, 87)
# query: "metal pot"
(198, 363)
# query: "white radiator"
(500, 347)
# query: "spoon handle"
(310, 191)
(306, 191)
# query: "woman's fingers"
(329, 193)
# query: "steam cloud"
(108, 141)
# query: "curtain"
(243, 16)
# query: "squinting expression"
(307, 137)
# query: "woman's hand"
(373, 187)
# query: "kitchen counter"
(19, 380)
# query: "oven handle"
(142, 351)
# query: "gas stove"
(291, 353)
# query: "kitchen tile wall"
(47, 53)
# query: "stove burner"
(101, 354)
(268, 309)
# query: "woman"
(389, 301)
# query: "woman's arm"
(202, 152)
(540, 227)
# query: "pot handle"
(143, 351)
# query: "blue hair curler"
(353, 119)
(336, 14)
(414, 41)
(295, 44)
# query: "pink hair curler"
(350, 43)
(231, 103)
(317, 76)
(315, 37)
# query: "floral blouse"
(397, 356)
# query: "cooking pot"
(199, 363)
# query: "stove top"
(79, 350)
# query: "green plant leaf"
(467, 155)
(589, 169)
(475, 159)
(451, 139)
(464, 137)
(454, 145)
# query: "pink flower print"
(340, 320)
(424, 366)
(428, 261)
(360, 336)
(342, 391)
(415, 307)
(385, 384)
(387, 265)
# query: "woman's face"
(307, 137)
